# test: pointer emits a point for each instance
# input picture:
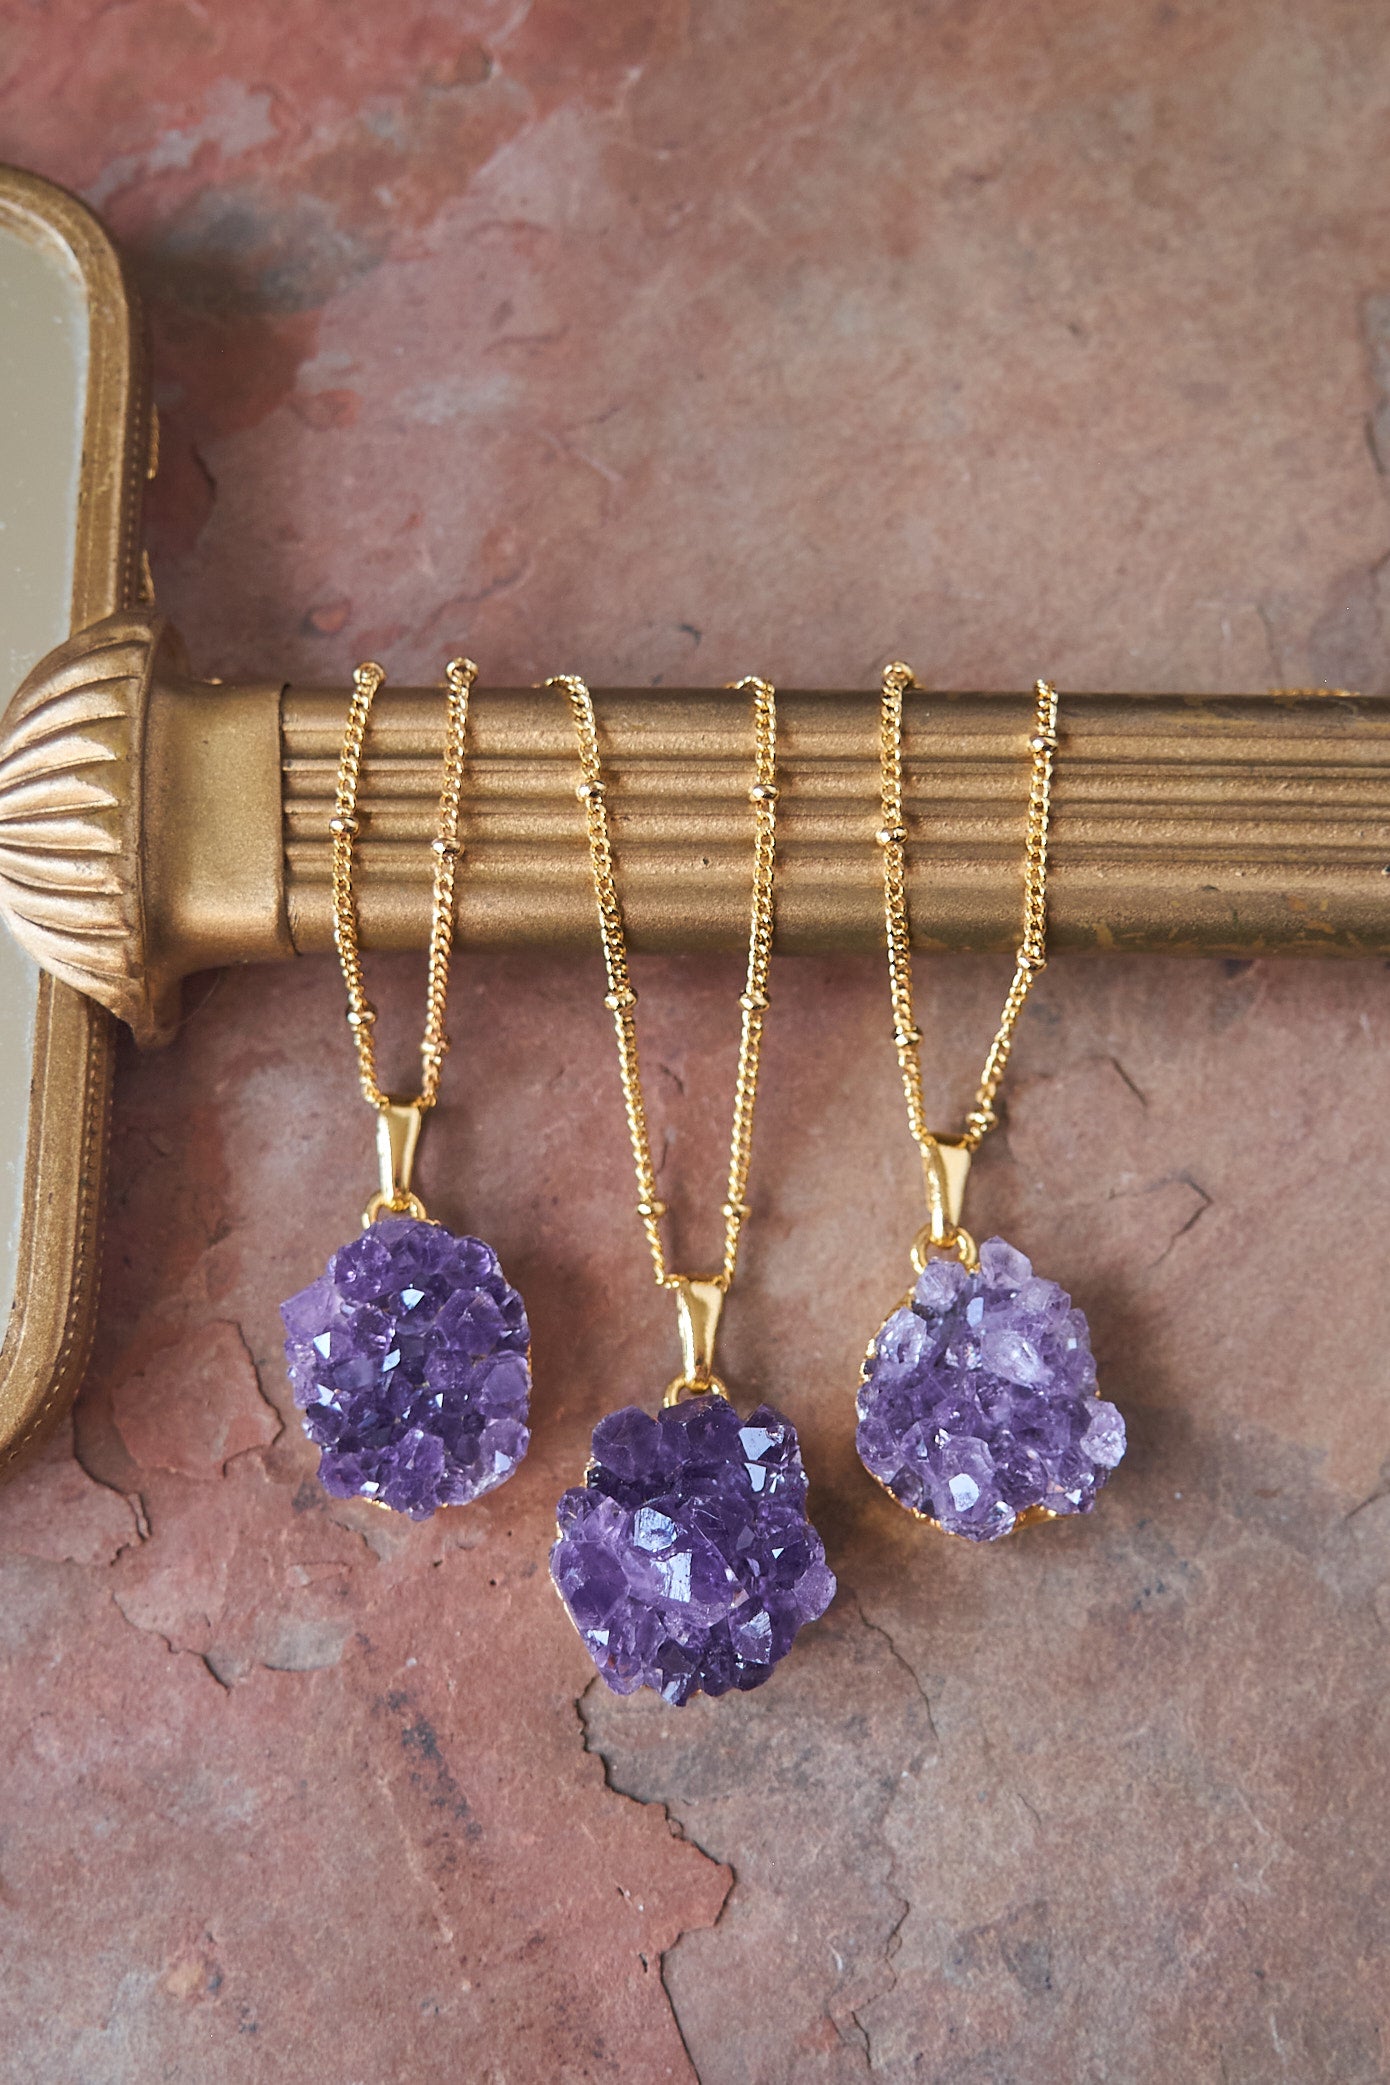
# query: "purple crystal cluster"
(686, 1559)
(409, 1358)
(978, 1399)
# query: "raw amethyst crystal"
(686, 1559)
(409, 1358)
(978, 1399)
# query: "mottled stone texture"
(667, 342)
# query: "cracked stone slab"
(310, 1848)
(815, 1890)
(1056, 1811)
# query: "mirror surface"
(43, 352)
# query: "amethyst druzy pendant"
(978, 1405)
(410, 1359)
(686, 1559)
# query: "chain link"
(621, 999)
(1032, 950)
(368, 678)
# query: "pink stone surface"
(669, 343)
(195, 1405)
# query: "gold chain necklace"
(410, 1355)
(978, 1407)
(686, 1558)
(399, 1117)
(699, 1299)
(946, 1160)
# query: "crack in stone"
(1152, 1187)
(1382, 1491)
(175, 1650)
(1031, 1808)
(1137, 1091)
(877, 1629)
(854, 2036)
(666, 1988)
(877, 1934)
(643, 1802)
(678, 1830)
(1195, 1218)
(257, 1447)
(893, 1940)
(1375, 330)
(132, 1499)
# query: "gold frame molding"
(49, 1333)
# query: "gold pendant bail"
(945, 1168)
(398, 1126)
(698, 1307)
(945, 1171)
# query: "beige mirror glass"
(43, 350)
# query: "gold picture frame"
(49, 1332)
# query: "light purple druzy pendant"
(686, 1559)
(978, 1404)
(410, 1359)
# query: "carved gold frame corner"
(53, 1314)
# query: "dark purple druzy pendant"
(686, 1559)
(410, 1359)
(978, 1403)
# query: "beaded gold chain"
(399, 1116)
(698, 1298)
(946, 1160)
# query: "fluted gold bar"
(1239, 825)
(152, 824)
